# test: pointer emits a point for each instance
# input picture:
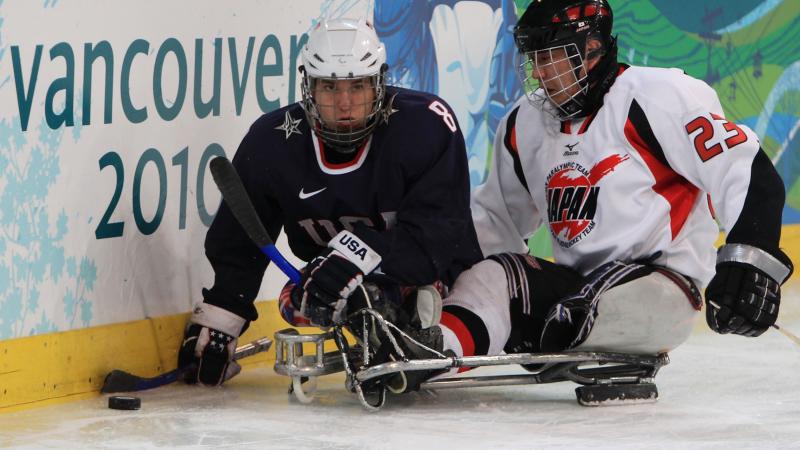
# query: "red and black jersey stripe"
(676, 190)
(510, 142)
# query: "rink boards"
(57, 367)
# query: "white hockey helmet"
(343, 50)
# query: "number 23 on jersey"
(707, 141)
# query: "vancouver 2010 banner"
(111, 111)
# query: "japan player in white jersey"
(631, 169)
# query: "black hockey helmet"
(551, 24)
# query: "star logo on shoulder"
(290, 125)
(389, 109)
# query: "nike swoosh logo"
(304, 195)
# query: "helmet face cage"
(555, 76)
(343, 111)
(551, 37)
(343, 85)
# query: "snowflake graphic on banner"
(31, 250)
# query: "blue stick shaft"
(275, 256)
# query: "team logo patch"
(572, 193)
(570, 151)
(290, 125)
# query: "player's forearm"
(499, 230)
(433, 228)
(403, 257)
(759, 223)
(238, 273)
(418, 254)
(238, 266)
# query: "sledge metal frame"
(292, 362)
(630, 377)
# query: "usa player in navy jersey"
(365, 179)
(627, 168)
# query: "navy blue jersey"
(405, 193)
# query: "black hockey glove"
(745, 294)
(332, 276)
(209, 342)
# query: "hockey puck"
(124, 402)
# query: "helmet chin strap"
(348, 150)
(600, 79)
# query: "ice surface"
(717, 392)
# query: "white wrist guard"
(353, 249)
(754, 256)
(218, 319)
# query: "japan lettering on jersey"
(572, 192)
(633, 181)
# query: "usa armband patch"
(356, 251)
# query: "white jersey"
(634, 181)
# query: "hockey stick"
(235, 195)
(778, 327)
(787, 333)
(232, 189)
(121, 381)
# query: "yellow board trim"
(790, 243)
(59, 367)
